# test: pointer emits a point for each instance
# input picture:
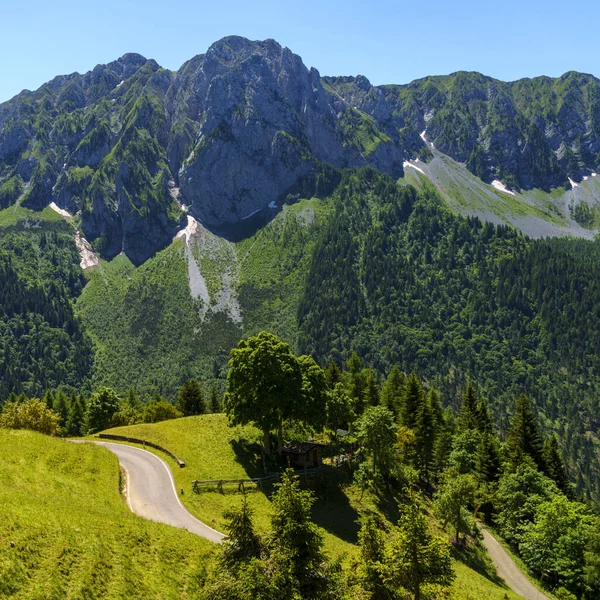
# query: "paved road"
(508, 570)
(151, 491)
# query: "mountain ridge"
(129, 147)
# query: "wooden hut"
(302, 455)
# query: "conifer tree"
(417, 558)
(76, 420)
(469, 410)
(488, 465)
(371, 388)
(413, 398)
(392, 393)
(555, 467)
(296, 541)
(61, 407)
(425, 433)
(357, 383)
(48, 399)
(190, 400)
(523, 439)
(242, 542)
(371, 541)
(214, 401)
(436, 407)
(333, 374)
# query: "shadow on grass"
(247, 454)
(332, 510)
(475, 557)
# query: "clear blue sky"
(386, 40)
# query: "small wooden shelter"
(302, 455)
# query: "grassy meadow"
(65, 531)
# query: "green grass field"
(212, 450)
(65, 531)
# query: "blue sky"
(388, 41)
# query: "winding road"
(151, 492)
(509, 571)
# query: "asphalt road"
(151, 491)
(508, 570)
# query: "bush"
(160, 410)
(31, 414)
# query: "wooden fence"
(122, 438)
(204, 484)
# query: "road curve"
(151, 491)
(509, 571)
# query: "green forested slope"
(42, 343)
(398, 279)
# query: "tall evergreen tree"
(555, 466)
(61, 407)
(371, 540)
(371, 393)
(523, 439)
(425, 434)
(76, 420)
(242, 542)
(190, 399)
(214, 400)
(392, 393)
(357, 383)
(469, 410)
(488, 465)
(413, 399)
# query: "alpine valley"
(150, 219)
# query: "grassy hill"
(65, 531)
(212, 450)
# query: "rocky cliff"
(129, 147)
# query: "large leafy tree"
(267, 385)
(452, 499)
(376, 432)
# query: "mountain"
(245, 192)
(129, 147)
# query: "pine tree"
(436, 407)
(425, 433)
(76, 419)
(417, 558)
(190, 400)
(469, 410)
(485, 423)
(296, 542)
(555, 466)
(61, 407)
(48, 399)
(371, 388)
(333, 374)
(371, 540)
(523, 439)
(242, 543)
(357, 383)
(214, 400)
(413, 398)
(392, 393)
(488, 464)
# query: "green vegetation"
(65, 530)
(42, 342)
(400, 281)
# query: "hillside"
(65, 530)
(212, 450)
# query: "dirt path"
(151, 491)
(509, 571)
